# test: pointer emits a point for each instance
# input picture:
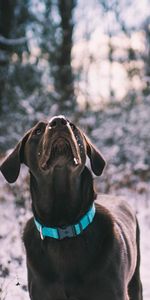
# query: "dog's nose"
(58, 121)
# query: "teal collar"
(69, 231)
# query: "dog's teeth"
(75, 161)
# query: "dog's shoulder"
(120, 212)
(118, 206)
(124, 222)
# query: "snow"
(13, 282)
(122, 135)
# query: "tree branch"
(12, 42)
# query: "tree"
(6, 16)
(56, 45)
(146, 56)
(16, 82)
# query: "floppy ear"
(96, 159)
(10, 168)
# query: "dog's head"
(49, 145)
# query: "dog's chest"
(70, 271)
(69, 260)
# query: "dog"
(79, 246)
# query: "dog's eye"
(38, 131)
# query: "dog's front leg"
(40, 288)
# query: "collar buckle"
(68, 231)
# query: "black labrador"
(75, 249)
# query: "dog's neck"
(62, 200)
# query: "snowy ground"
(123, 138)
(13, 281)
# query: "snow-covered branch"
(12, 42)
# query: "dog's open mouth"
(62, 151)
(60, 148)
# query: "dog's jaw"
(61, 148)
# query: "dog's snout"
(58, 121)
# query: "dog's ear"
(10, 168)
(96, 159)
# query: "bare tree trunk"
(64, 80)
(6, 13)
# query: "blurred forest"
(71, 57)
(89, 60)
